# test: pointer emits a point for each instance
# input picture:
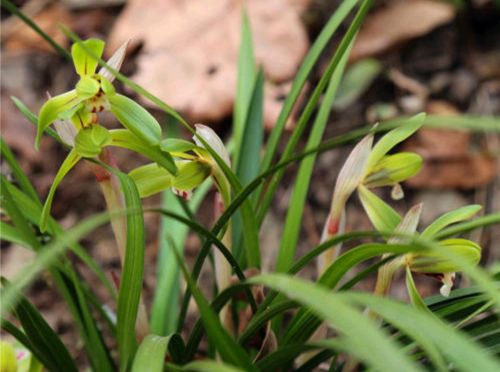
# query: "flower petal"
(85, 62)
(115, 62)
(351, 175)
(65, 167)
(66, 131)
(209, 135)
(447, 280)
(55, 108)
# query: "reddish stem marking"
(333, 226)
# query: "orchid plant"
(247, 328)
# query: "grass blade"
(151, 354)
(360, 336)
(52, 351)
(465, 354)
(311, 104)
(302, 74)
(227, 348)
(297, 203)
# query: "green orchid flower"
(94, 93)
(194, 165)
(369, 165)
(436, 263)
(74, 115)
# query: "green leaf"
(381, 215)
(136, 119)
(460, 350)
(458, 215)
(473, 123)
(360, 336)
(126, 139)
(483, 221)
(210, 366)
(13, 235)
(415, 297)
(32, 118)
(17, 171)
(70, 161)
(227, 348)
(310, 107)
(302, 75)
(53, 353)
(165, 308)
(357, 80)
(85, 56)
(47, 257)
(53, 109)
(31, 211)
(150, 356)
(304, 323)
(87, 87)
(297, 203)
(132, 274)
(392, 138)
(90, 141)
(248, 159)
(392, 169)
(245, 86)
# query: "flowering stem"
(223, 270)
(113, 196)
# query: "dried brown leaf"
(190, 50)
(448, 160)
(399, 22)
(22, 38)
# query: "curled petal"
(447, 280)
(55, 108)
(397, 192)
(408, 225)
(351, 175)
(213, 140)
(115, 62)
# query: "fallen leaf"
(190, 51)
(448, 160)
(398, 22)
(21, 38)
(473, 171)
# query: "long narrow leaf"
(360, 336)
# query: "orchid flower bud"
(392, 169)
(213, 140)
(439, 264)
(436, 262)
(350, 176)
